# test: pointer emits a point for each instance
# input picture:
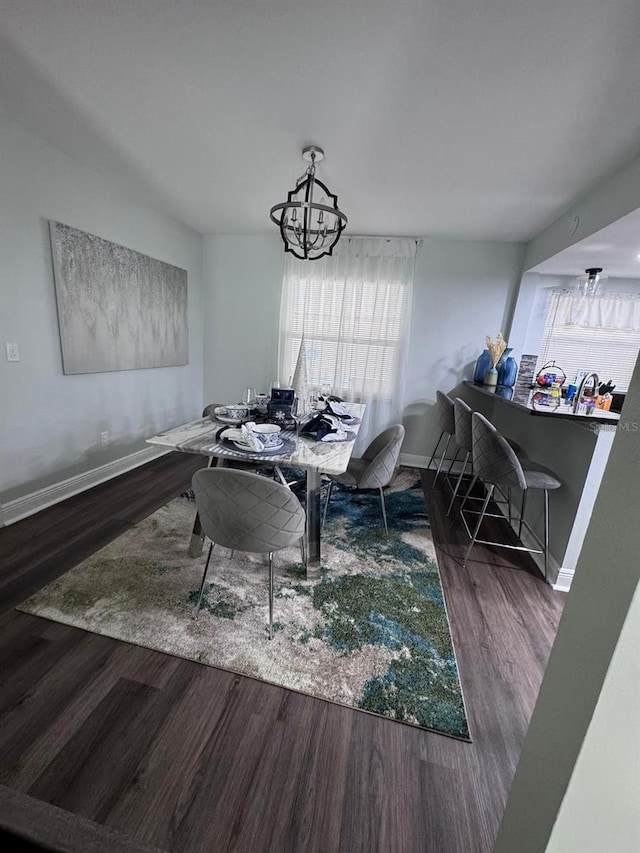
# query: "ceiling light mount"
(313, 154)
(310, 220)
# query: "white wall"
(463, 291)
(51, 423)
(243, 276)
(600, 809)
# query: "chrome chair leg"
(453, 461)
(522, 509)
(444, 453)
(435, 449)
(277, 470)
(204, 578)
(480, 517)
(326, 504)
(271, 595)
(384, 511)
(459, 480)
(468, 492)
(546, 534)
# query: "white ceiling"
(477, 119)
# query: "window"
(593, 333)
(353, 310)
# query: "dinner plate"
(287, 446)
(228, 419)
(272, 448)
(232, 420)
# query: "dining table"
(205, 437)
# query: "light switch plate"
(13, 353)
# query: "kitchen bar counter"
(575, 447)
(563, 411)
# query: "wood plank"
(34, 825)
(186, 757)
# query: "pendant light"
(591, 283)
(310, 221)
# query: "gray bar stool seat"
(496, 464)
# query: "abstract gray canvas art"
(118, 309)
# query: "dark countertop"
(524, 404)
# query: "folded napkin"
(251, 438)
(325, 427)
(245, 435)
(338, 409)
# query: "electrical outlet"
(13, 353)
(105, 438)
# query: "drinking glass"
(249, 395)
(298, 412)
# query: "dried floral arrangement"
(496, 349)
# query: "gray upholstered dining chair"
(374, 469)
(246, 512)
(496, 465)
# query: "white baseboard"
(30, 504)
(411, 460)
(564, 579)
(415, 461)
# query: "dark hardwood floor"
(110, 747)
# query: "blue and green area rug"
(372, 633)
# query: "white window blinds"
(353, 310)
(598, 334)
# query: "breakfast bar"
(574, 445)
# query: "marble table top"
(325, 456)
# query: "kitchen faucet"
(578, 397)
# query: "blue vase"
(482, 365)
(507, 371)
(504, 391)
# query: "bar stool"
(462, 418)
(447, 424)
(464, 440)
(495, 463)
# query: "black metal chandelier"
(310, 221)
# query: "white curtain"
(618, 311)
(353, 309)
